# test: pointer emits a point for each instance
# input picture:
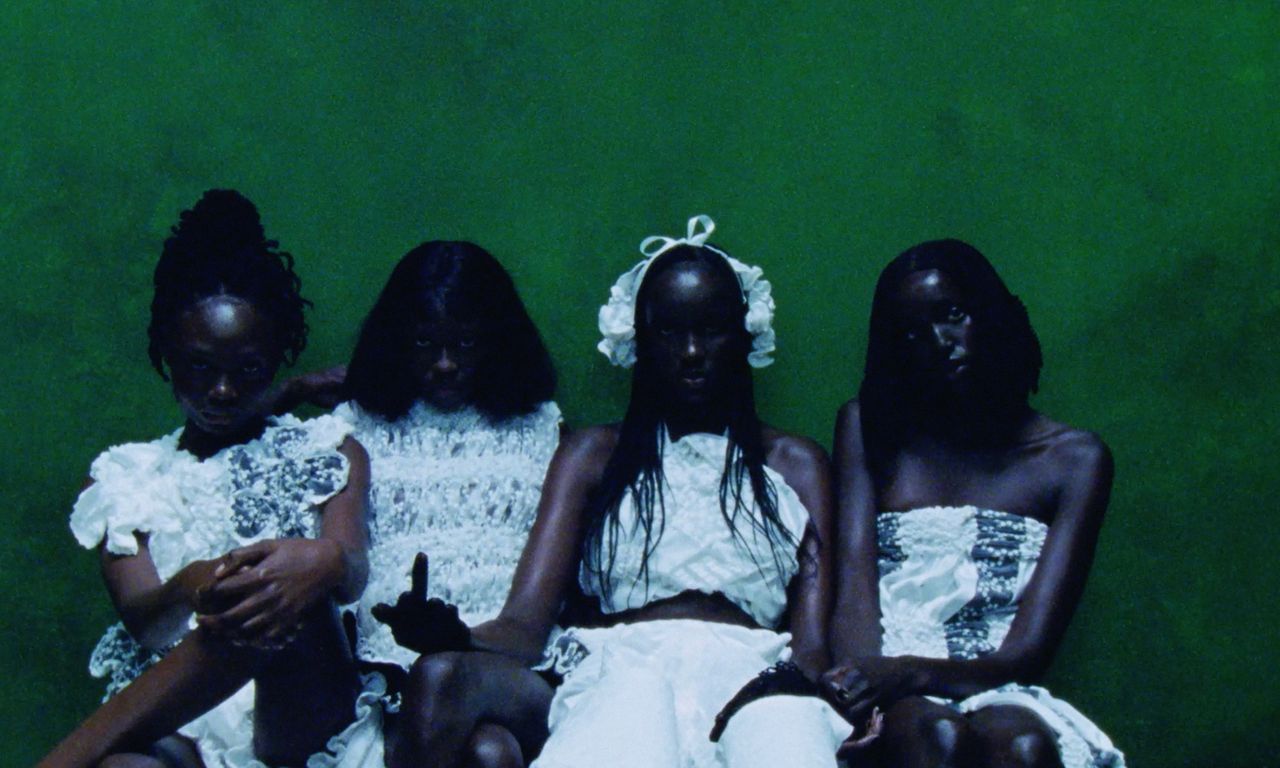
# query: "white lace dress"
(192, 510)
(951, 579)
(646, 694)
(457, 487)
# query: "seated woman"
(966, 527)
(451, 390)
(254, 525)
(695, 527)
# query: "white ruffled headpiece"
(618, 316)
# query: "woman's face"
(693, 333)
(222, 360)
(444, 358)
(936, 332)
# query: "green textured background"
(1117, 161)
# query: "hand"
(320, 388)
(856, 690)
(421, 625)
(261, 591)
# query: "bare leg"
(199, 674)
(492, 746)
(170, 752)
(449, 694)
(1014, 737)
(921, 734)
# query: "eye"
(955, 313)
(466, 344)
(422, 342)
(251, 369)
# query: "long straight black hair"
(891, 403)
(636, 463)
(467, 283)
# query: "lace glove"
(421, 625)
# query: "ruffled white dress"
(646, 694)
(192, 510)
(951, 579)
(457, 487)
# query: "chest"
(1019, 481)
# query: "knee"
(1016, 738)
(492, 746)
(437, 673)
(130, 761)
(1033, 749)
(916, 725)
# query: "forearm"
(958, 679)
(511, 637)
(350, 569)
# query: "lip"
(694, 381)
(219, 418)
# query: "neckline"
(965, 508)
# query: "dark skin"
(1038, 468)
(264, 612)
(692, 333)
(474, 709)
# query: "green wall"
(1119, 162)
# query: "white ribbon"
(694, 237)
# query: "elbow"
(1024, 665)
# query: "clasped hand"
(259, 593)
(421, 625)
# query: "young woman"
(451, 389)
(226, 544)
(699, 531)
(967, 524)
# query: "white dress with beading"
(951, 579)
(458, 487)
(645, 695)
(189, 509)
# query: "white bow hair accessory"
(618, 315)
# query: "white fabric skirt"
(645, 695)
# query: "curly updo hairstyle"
(218, 247)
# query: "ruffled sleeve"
(132, 492)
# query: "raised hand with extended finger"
(420, 624)
(261, 591)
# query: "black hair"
(218, 247)
(636, 463)
(890, 403)
(465, 282)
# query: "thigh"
(623, 716)
(783, 730)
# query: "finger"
(231, 620)
(384, 613)
(418, 582)
(236, 586)
(243, 557)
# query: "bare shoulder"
(1078, 459)
(793, 456)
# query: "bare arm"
(552, 552)
(154, 612)
(1085, 470)
(855, 623)
(804, 466)
(262, 589)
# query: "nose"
(692, 348)
(224, 390)
(444, 365)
